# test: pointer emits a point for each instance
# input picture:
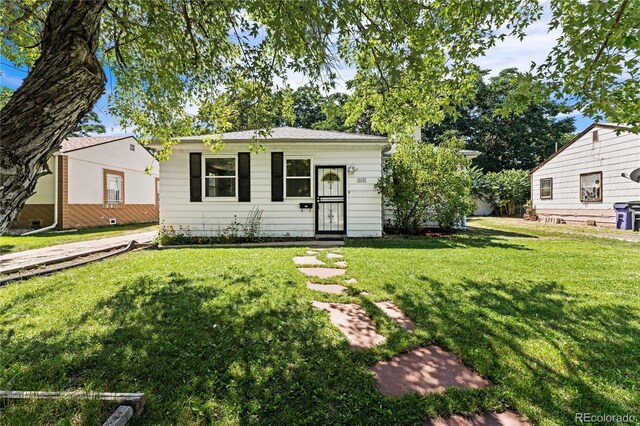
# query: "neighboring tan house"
(94, 181)
(308, 183)
(581, 181)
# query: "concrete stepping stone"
(393, 312)
(322, 272)
(326, 288)
(341, 263)
(334, 256)
(424, 370)
(364, 293)
(307, 260)
(508, 418)
(351, 281)
(354, 322)
(312, 252)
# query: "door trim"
(317, 197)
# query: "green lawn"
(513, 224)
(229, 336)
(13, 244)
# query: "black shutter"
(195, 176)
(244, 176)
(277, 176)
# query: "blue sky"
(509, 53)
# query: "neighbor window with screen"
(298, 177)
(220, 177)
(114, 189)
(546, 188)
(591, 187)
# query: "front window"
(591, 187)
(546, 188)
(114, 189)
(298, 178)
(220, 177)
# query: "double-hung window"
(546, 188)
(591, 187)
(298, 177)
(114, 189)
(220, 177)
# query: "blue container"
(624, 216)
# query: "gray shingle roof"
(74, 143)
(294, 134)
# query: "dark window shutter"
(195, 176)
(244, 176)
(277, 176)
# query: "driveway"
(30, 258)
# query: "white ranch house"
(308, 183)
(581, 181)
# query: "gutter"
(55, 202)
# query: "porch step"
(331, 237)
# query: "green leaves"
(90, 123)
(414, 60)
(505, 190)
(423, 183)
(512, 121)
(595, 61)
(5, 94)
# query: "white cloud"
(10, 81)
(114, 130)
(513, 53)
(573, 113)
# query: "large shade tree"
(507, 140)
(412, 59)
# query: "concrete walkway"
(30, 258)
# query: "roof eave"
(381, 141)
(572, 141)
(65, 151)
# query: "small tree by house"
(505, 190)
(423, 183)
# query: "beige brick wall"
(83, 215)
(42, 212)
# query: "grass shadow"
(6, 248)
(502, 329)
(243, 352)
(470, 238)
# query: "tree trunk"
(64, 84)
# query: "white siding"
(612, 155)
(45, 187)
(482, 208)
(86, 178)
(209, 217)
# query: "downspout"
(55, 201)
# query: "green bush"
(424, 183)
(505, 190)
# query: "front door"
(331, 200)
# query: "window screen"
(298, 178)
(114, 189)
(591, 187)
(546, 188)
(220, 177)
